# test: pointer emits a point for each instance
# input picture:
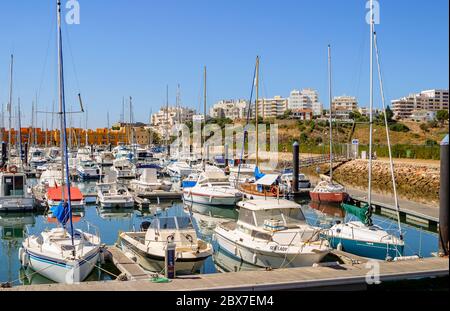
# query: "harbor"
(250, 195)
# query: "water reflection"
(205, 218)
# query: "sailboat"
(62, 254)
(266, 186)
(327, 190)
(362, 237)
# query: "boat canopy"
(54, 194)
(267, 180)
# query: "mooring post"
(226, 155)
(296, 162)
(25, 156)
(444, 203)
(4, 154)
(170, 261)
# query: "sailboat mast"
(166, 138)
(330, 94)
(61, 95)
(20, 133)
(10, 101)
(369, 196)
(256, 111)
(204, 117)
(391, 162)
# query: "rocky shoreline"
(415, 182)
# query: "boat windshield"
(288, 216)
(170, 223)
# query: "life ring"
(13, 169)
(274, 190)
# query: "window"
(246, 216)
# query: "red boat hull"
(331, 197)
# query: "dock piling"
(296, 163)
(444, 203)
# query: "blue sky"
(136, 47)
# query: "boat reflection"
(115, 214)
(13, 227)
(225, 263)
(207, 217)
(331, 210)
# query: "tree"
(389, 114)
(442, 116)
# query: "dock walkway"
(341, 277)
(420, 212)
(128, 267)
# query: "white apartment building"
(343, 105)
(165, 119)
(271, 107)
(231, 109)
(307, 99)
(429, 100)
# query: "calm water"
(111, 222)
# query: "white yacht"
(149, 245)
(124, 168)
(212, 188)
(105, 158)
(272, 234)
(115, 196)
(14, 192)
(242, 173)
(88, 169)
(148, 182)
(179, 169)
(37, 157)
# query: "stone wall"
(415, 182)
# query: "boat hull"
(16, 204)
(266, 259)
(374, 250)
(210, 200)
(156, 263)
(331, 197)
(61, 271)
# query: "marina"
(256, 194)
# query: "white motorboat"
(105, 158)
(84, 154)
(53, 255)
(115, 196)
(14, 192)
(37, 157)
(149, 247)
(288, 180)
(88, 169)
(272, 234)
(179, 169)
(148, 182)
(124, 168)
(242, 173)
(212, 188)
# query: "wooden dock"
(335, 277)
(129, 268)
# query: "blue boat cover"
(258, 174)
(61, 213)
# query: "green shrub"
(399, 127)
